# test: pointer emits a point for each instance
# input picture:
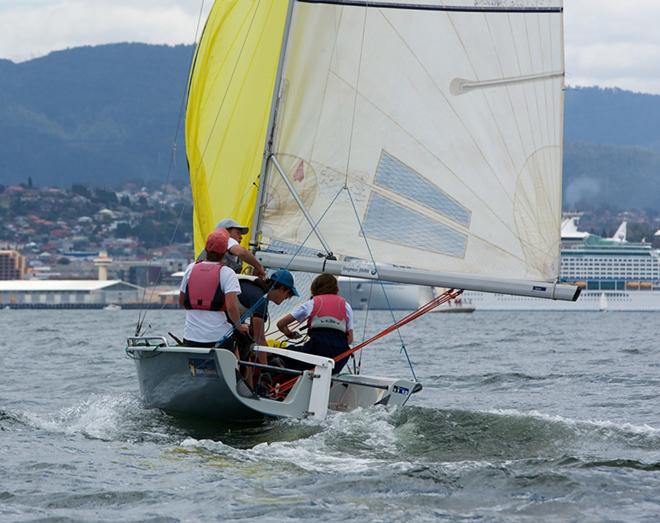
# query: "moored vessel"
(615, 275)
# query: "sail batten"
(462, 85)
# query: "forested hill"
(612, 117)
(94, 115)
(101, 115)
(612, 154)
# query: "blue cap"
(285, 278)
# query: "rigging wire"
(142, 313)
(364, 330)
(382, 285)
(232, 329)
(313, 228)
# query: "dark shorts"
(200, 344)
(322, 342)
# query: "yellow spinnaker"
(229, 102)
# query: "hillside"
(92, 114)
(612, 117)
(597, 176)
(102, 115)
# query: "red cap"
(217, 241)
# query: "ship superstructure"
(614, 273)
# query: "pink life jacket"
(329, 312)
(203, 291)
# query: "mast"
(270, 136)
(562, 101)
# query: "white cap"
(232, 224)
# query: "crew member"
(209, 292)
(255, 297)
(329, 322)
(237, 254)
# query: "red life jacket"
(203, 291)
(329, 312)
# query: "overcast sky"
(608, 42)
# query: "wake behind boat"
(379, 141)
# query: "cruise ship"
(616, 275)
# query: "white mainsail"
(425, 135)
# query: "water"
(523, 417)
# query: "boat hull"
(205, 383)
(454, 310)
(188, 383)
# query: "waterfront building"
(12, 265)
(145, 275)
(67, 293)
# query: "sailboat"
(408, 141)
(602, 302)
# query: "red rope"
(435, 302)
(438, 300)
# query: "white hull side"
(205, 383)
(363, 294)
(588, 301)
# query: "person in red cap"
(209, 292)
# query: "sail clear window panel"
(391, 222)
(401, 179)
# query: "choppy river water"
(523, 417)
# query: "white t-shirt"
(205, 326)
(231, 257)
(232, 260)
(302, 312)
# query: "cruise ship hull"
(588, 301)
(375, 295)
